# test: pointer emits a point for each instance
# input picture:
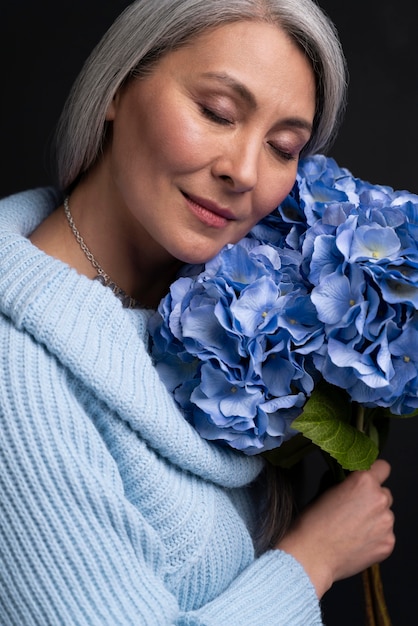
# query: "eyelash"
(285, 155)
(214, 117)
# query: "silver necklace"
(127, 301)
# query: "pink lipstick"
(208, 212)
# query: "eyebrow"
(235, 85)
(297, 122)
(249, 98)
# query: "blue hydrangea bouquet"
(318, 303)
(319, 300)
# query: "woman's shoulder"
(23, 211)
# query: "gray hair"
(147, 29)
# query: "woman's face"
(208, 143)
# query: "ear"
(112, 108)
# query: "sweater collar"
(104, 345)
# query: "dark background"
(42, 48)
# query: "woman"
(184, 129)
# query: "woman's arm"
(345, 530)
(79, 547)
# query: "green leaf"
(326, 422)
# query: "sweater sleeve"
(74, 550)
(273, 591)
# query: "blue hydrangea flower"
(240, 337)
(324, 287)
(360, 257)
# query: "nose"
(238, 164)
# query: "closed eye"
(287, 156)
(214, 117)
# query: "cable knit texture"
(113, 510)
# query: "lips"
(208, 212)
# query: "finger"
(381, 470)
(389, 496)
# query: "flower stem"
(377, 613)
(360, 418)
(368, 598)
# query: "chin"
(198, 254)
(197, 258)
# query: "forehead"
(244, 35)
(256, 54)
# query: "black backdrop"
(42, 47)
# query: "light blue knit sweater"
(113, 510)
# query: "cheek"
(181, 141)
(273, 189)
(154, 147)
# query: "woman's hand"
(345, 530)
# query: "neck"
(146, 279)
(135, 263)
